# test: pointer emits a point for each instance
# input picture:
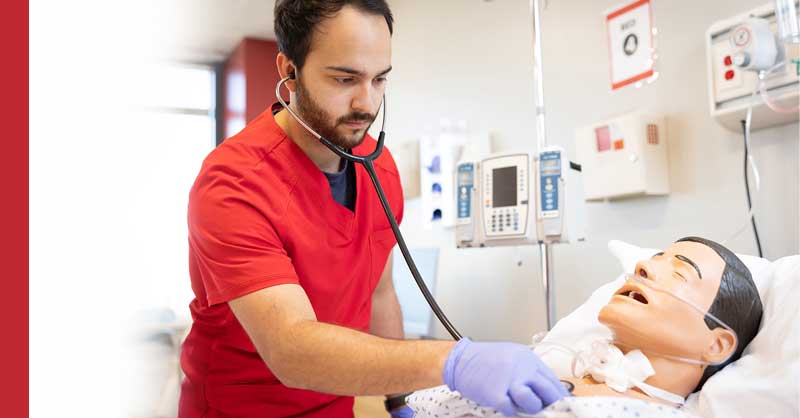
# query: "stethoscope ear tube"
(366, 161)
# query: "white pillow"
(763, 381)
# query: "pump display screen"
(504, 186)
(550, 167)
(550, 164)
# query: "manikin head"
(713, 279)
(339, 53)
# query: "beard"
(337, 132)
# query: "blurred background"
(128, 97)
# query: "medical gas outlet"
(742, 51)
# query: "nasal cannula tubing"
(658, 288)
(582, 355)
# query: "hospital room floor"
(369, 407)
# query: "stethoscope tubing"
(367, 162)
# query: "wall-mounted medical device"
(742, 49)
(624, 156)
(518, 199)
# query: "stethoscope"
(366, 161)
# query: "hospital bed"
(764, 382)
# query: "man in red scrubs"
(294, 310)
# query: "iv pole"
(545, 248)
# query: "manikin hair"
(737, 302)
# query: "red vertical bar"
(14, 208)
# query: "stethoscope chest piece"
(568, 385)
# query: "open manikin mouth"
(634, 293)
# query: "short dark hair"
(737, 303)
(295, 21)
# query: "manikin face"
(654, 321)
(341, 85)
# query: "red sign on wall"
(630, 43)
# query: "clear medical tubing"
(658, 288)
(762, 90)
(584, 356)
(366, 161)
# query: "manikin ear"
(723, 345)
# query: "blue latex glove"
(504, 376)
(403, 412)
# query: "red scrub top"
(261, 214)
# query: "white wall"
(472, 59)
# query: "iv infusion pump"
(516, 199)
